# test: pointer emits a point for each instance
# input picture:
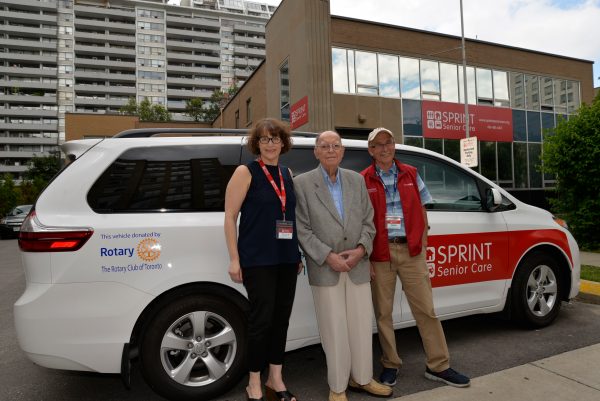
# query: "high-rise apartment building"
(60, 56)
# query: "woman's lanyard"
(280, 194)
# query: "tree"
(8, 194)
(572, 153)
(146, 111)
(217, 101)
(194, 108)
(44, 168)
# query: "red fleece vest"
(412, 208)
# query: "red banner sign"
(447, 120)
(299, 113)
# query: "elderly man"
(335, 229)
(398, 195)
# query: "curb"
(589, 287)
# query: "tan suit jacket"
(322, 230)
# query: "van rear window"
(166, 179)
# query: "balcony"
(33, 72)
(179, 44)
(19, 112)
(81, 10)
(172, 56)
(28, 31)
(188, 94)
(102, 62)
(100, 101)
(173, 33)
(105, 76)
(196, 22)
(244, 28)
(246, 62)
(20, 155)
(27, 84)
(38, 58)
(246, 51)
(28, 17)
(105, 38)
(113, 26)
(30, 127)
(27, 44)
(248, 40)
(194, 70)
(105, 50)
(49, 99)
(29, 141)
(102, 89)
(32, 4)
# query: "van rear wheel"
(194, 348)
(536, 293)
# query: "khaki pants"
(416, 285)
(345, 318)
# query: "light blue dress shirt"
(335, 189)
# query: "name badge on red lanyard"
(283, 229)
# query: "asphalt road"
(478, 345)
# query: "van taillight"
(36, 237)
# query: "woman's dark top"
(257, 242)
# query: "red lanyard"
(280, 194)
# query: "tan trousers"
(414, 275)
(345, 316)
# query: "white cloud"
(565, 27)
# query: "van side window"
(166, 179)
(450, 188)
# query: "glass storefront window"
(505, 177)
(452, 149)
(532, 91)
(470, 85)
(547, 89)
(501, 89)
(411, 117)
(560, 96)
(435, 145)
(573, 100)
(534, 128)
(535, 164)
(409, 78)
(487, 154)
(519, 125)
(547, 123)
(351, 75)
(389, 78)
(413, 141)
(449, 82)
(430, 80)
(520, 163)
(339, 66)
(517, 90)
(366, 72)
(485, 93)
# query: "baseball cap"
(376, 131)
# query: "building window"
(430, 80)
(284, 91)
(389, 78)
(366, 73)
(409, 78)
(249, 111)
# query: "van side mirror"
(493, 199)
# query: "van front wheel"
(536, 293)
(194, 348)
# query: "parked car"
(11, 223)
(126, 260)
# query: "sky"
(564, 27)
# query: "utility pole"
(464, 63)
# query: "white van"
(125, 258)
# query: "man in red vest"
(398, 196)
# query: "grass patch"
(590, 273)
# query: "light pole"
(464, 63)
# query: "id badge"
(393, 221)
(284, 229)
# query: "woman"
(265, 257)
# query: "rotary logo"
(148, 249)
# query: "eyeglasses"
(326, 147)
(265, 139)
(381, 145)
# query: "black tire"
(536, 291)
(170, 342)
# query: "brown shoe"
(333, 396)
(373, 388)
